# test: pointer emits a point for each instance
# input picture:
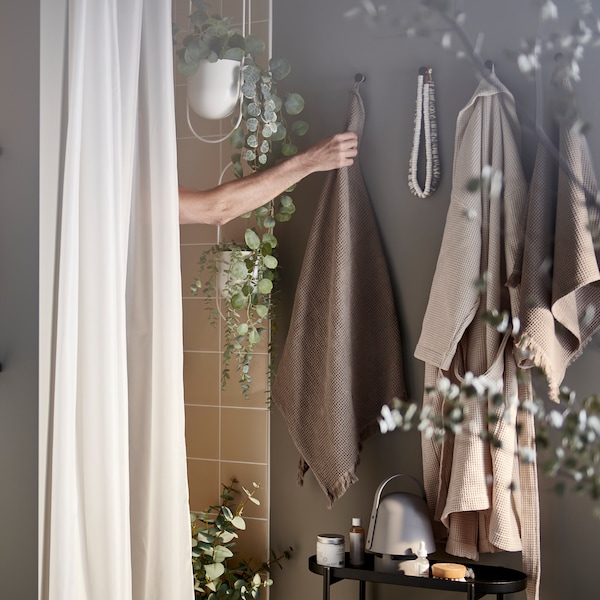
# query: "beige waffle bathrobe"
(482, 498)
(560, 278)
(342, 360)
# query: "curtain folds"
(118, 514)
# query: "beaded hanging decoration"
(425, 120)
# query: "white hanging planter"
(214, 90)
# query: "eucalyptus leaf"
(253, 337)
(195, 52)
(289, 149)
(269, 222)
(270, 261)
(251, 74)
(265, 286)
(280, 134)
(278, 102)
(234, 54)
(261, 310)
(214, 570)
(252, 141)
(254, 45)
(280, 68)
(238, 170)
(236, 41)
(221, 553)
(269, 115)
(238, 138)
(254, 109)
(238, 301)
(249, 90)
(249, 155)
(286, 200)
(294, 104)
(204, 536)
(262, 159)
(252, 239)
(252, 124)
(238, 522)
(238, 271)
(299, 127)
(242, 328)
(265, 146)
(269, 238)
(227, 536)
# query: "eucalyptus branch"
(533, 123)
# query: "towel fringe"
(532, 356)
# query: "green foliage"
(218, 573)
(211, 38)
(267, 135)
(567, 434)
(246, 274)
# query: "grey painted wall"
(19, 139)
(325, 52)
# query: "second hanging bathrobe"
(342, 358)
(482, 497)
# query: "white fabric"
(117, 495)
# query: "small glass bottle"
(357, 543)
(421, 562)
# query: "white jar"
(331, 550)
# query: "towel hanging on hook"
(425, 118)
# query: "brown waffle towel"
(479, 495)
(342, 358)
(560, 278)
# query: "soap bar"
(448, 570)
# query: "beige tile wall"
(227, 436)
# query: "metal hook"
(427, 73)
(359, 78)
(489, 64)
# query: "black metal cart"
(488, 579)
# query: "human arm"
(229, 200)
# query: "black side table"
(488, 579)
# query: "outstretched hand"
(333, 152)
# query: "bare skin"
(220, 204)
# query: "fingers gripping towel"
(342, 358)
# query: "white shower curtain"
(118, 519)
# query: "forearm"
(234, 198)
(221, 204)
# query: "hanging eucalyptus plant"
(266, 135)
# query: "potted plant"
(217, 571)
(211, 55)
(266, 134)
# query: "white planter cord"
(425, 118)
